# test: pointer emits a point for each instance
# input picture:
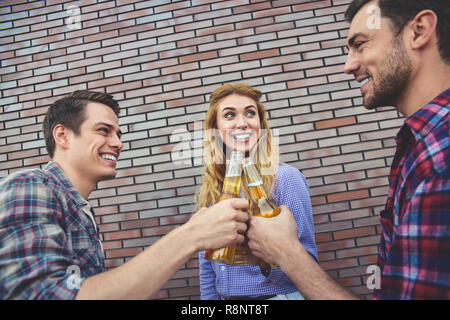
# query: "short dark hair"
(400, 12)
(69, 111)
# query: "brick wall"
(161, 59)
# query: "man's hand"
(275, 240)
(269, 236)
(142, 277)
(219, 225)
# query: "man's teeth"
(108, 157)
(365, 81)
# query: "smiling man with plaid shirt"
(402, 62)
(49, 242)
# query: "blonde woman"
(236, 120)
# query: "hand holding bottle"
(220, 225)
(230, 189)
(268, 238)
(262, 206)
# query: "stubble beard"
(394, 72)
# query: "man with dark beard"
(393, 70)
(403, 61)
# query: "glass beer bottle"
(231, 189)
(261, 205)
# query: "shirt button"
(223, 268)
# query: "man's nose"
(351, 64)
(115, 142)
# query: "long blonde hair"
(214, 158)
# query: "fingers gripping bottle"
(231, 189)
(261, 203)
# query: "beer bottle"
(231, 189)
(261, 205)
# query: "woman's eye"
(251, 113)
(229, 115)
(103, 130)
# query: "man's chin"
(109, 175)
(369, 106)
(372, 105)
(380, 98)
(370, 102)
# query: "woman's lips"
(242, 137)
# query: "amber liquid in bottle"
(262, 205)
(231, 189)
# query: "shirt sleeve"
(34, 263)
(207, 279)
(292, 190)
(418, 262)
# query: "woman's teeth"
(242, 137)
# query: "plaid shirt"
(48, 241)
(415, 245)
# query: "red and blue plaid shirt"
(415, 244)
(48, 243)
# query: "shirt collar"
(53, 169)
(425, 119)
(87, 209)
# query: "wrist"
(290, 250)
(188, 239)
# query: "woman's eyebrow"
(228, 108)
(231, 108)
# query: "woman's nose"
(241, 122)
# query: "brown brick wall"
(162, 59)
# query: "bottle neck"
(254, 181)
(234, 169)
(232, 181)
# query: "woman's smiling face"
(238, 122)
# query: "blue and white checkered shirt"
(219, 280)
(48, 241)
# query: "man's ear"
(423, 28)
(61, 136)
